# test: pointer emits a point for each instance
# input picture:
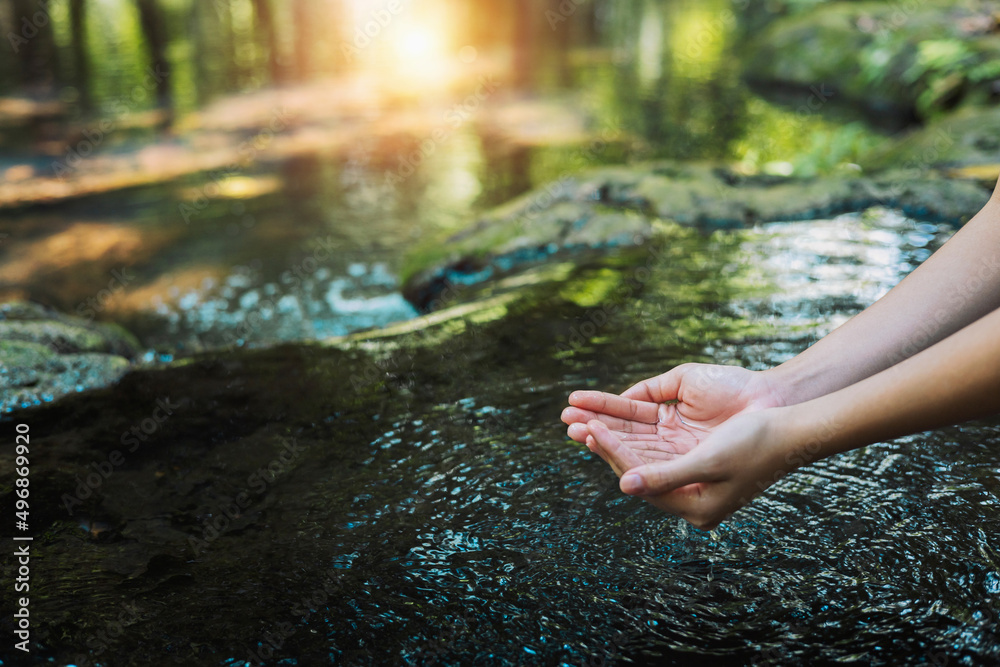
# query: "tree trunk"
(268, 32)
(303, 39)
(155, 30)
(33, 41)
(81, 63)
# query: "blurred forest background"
(203, 149)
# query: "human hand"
(732, 465)
(706, 396)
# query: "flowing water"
(413, 499)
(432, 511)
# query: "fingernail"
(633, 484)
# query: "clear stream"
(432, 511)
(414, 500)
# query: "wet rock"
(918, 58)
(970, 137)
(45, 354)
(614, 207)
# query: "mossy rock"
(970, 137)
(614, 207)
(45, 354)
(918, 58)
(32, 322)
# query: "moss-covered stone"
(918, 58)
(970, 137)
(45, 354)
(619, 206)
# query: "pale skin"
(925, 355)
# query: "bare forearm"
(956, 380)
(958, 285)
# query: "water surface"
(435, 513)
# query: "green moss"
(45, 354)
(968, 137)
(920, 60)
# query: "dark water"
(431, 511)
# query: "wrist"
(806, 432)
(786, 384)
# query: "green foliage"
(811, 144)
(835, 148)
(943, 66)
(937, 55)
(986, 71)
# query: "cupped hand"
(735, 463)
(667, 416)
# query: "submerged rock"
(616, 206)
(45, 354)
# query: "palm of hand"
(652, 430)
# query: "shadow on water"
(415, 500)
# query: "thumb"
(664, 476)
(659, 389)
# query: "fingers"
(652, 454)
(596, 449)
(614, 406)
(619, 455)
(661, 478)
(572, 415)
(578, 432)
(671, 485)
(659, 389)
